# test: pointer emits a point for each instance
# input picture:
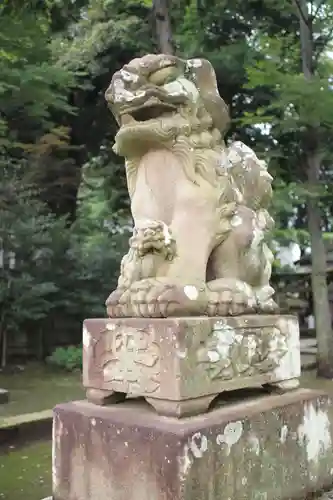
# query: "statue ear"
(109, 97)
(205, 78)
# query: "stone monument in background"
(192, 321)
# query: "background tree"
(312, 158)
(163, 31)
(296, 69)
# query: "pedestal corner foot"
(181, 409)
(102, 397)
(283, 386)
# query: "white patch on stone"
(110, 327)
(238, 195)
(118, 84)
(224, 162)
(128, 77)
(191, 292)
(236, 221)
(264, 293)
(246, 150)
(283, 434)
(174, 88)
(164, 63)
(213, 356)
(251, 346)
(254, 444)
(238, 338)
(166, 234)
(189, 88)
(244, 480)
(185, 462)
(124, 95)
(266, 174)
(233, 156)
(182, 86)
(198, 444)
(231, 435)
(289, 366)
(194, 63)
(257, 233)
(224, 337)
(93, 422)
(182, 354)
(86, 337)
(314, 434)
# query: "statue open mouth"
(149, 111)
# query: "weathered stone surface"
(200, 207)
(326, 496)
(181, 364)
(272, 447)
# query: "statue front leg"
(151, 250)
(175, 284)
(194, 234)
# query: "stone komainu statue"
(199, 207)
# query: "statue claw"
(156, 299)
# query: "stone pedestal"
(273, 447)
(179, 365)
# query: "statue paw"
(268, 307)
(157, 298)
(230, 298)
(265, 302)
(114, 303)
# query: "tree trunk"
(313, 162)
(3, 363)
(163, 26)
(321, 304)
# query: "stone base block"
(179, 365)
(273, 447)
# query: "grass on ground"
(25, 474)
(39, 388)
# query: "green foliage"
(33, 85)
(68, 358)
(26, 291)
(58, 270)
(304, 103)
